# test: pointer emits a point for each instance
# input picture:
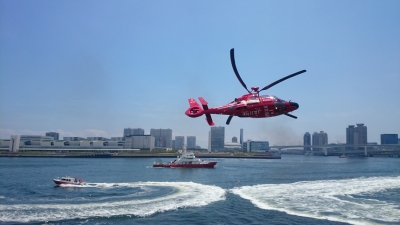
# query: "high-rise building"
(234, 139)
(55, 135)
(133, 131)
(307, 141)
(389, 139)
(163, 138)
(320, 138)
(361, 134)
(241, 135)
(209, 141)
(191, 142)
(314, 140)
(356, 135)
(179, 142)
(323, 138)
(350, 135)
(217, 138)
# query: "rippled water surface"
(293, 190)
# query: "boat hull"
(187, 165)
(161, 165)
(199, 165)
(60, 182)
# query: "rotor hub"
(255, 89)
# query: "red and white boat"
(69, 180)
(186, 160)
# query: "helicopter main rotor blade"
(282, 79)
(236, 71)
(290, 115)
(229, 120)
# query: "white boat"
(69, 180)
(187, 160)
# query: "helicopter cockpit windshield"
(272, 97)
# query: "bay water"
(296, 189)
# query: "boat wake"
(352, 201)
(164, 196)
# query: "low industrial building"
(232, 146)
(256, 146)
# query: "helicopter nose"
(294, 104)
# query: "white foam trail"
(328, 199)
(187, 194)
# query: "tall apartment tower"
(133, 131)
(209, 141)
(307, 141)
(356, 135)
(360, 136)
(234, 139)
(179, 142)
(217, 138)
(191, 142)
(320, 138)
(55, 135)
(241, 136)
(163, 138)
(323, 138)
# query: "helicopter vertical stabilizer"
(194, 109)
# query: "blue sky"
(93, 68)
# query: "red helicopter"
(251, 105)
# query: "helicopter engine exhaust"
(195, 110)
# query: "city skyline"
(87, 71)
(319, 138)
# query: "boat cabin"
(68, 179)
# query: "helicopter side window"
(268, 97)
(253, 99)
